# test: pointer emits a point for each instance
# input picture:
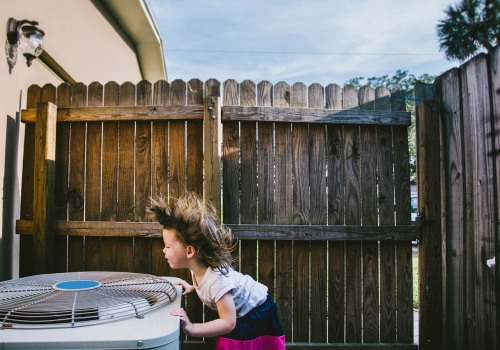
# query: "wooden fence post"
(213, 149)
(43, 191)
(429, 204)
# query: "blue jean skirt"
(258, 329)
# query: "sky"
(308, 41)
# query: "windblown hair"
(196, 225)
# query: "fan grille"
(80, 298)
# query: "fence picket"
(64, 92)
(92, 245)
(159, 168)
(494, 74)
(336, 210)
(248, 144)
(125, 198)
(142, 177)
(448, 87)
(109, 180)
(177, 147)
(352, 217)
(265, 160)
(194, 177)
(230, 152)
(76, 189)
(284, 213)
(369, 205)
(404, 255)
(480, 232)
(194, 157)
(301, 249)
(318, 216)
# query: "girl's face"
(175, 252)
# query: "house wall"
(84, 39)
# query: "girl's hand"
(186, 325)
(186, 287)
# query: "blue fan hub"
(76, 285)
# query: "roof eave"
(138, 23)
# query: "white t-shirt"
(247, 293)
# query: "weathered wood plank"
(177, 170)
(385, 166)
(26, 243)
(369, 210)
(284, 213)
(93, 179)
(43, 190)
(246, 231)
(48, 94)
(265, 163)
(76, 182)
(96, 228)
(318, 216)
(323, 232)
(430, 253)
(194, 177)
(494, 74)
(480, 234)
(64, 95)
(230, 158)
(333, 97)
(352, 160)
(212, 146)
(142, 187)
(125, 195)
(194, 157)
(448, 90)
(404, 250)
(387, 249)
(315, 115)
(301, 203)
(241, 113)
(109, 179)
(159, 177)
(122, 113)
(336, 210)
(177, 149)
(248, 171)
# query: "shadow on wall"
(11, 196)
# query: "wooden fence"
(459, 194)
(315, 182)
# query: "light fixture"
(25, 35)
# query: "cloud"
(321, 41)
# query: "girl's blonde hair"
(196, 225)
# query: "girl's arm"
(223, 325)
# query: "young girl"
(195, 239)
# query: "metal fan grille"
(36, 302)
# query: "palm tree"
(469, 27)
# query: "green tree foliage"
(469, 27)
(401, 80)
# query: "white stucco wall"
(89, 48)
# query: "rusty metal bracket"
(211, 108)
(419, 223)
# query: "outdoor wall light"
(25, 35)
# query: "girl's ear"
(191, 251)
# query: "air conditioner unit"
(89, 310)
